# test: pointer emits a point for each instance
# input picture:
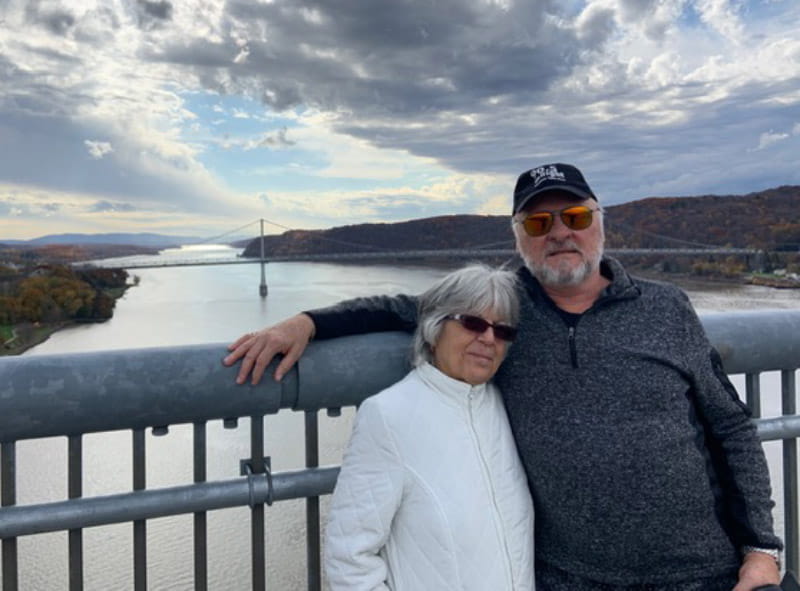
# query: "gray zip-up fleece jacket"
(643, 464)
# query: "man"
(644, 466)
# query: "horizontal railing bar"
(22, 520)
(755, 341)
(206, 496)
(785, 427)
(71, 394)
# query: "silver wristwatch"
(768, 551)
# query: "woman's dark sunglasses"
(479, 325)
(539, 223)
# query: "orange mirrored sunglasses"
(539, 223)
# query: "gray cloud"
(382, 59)
(161, 9)
(412, 78)
(55, 19)
(153, 15)
(278, 139)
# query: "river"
(209, 304)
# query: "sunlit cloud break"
(98, 149)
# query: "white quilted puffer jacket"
(431, 495)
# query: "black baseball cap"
(550, 177)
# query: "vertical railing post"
(140, 526)
(8, 497)
(257, 511)
(200, 524)
(790, 497)
(752, 383)
(75, 491)
(312, 506)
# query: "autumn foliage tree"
(55, 298)
(56, 293)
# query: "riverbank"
(37, 302)
(26, 335)
(18, 338)
(777, 282)
(694, 279)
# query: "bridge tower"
(262, 288)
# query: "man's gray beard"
(564, 276)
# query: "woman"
(432, 495)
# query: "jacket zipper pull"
(573, 352)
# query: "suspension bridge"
(186, 256)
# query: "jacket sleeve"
(733, 443)
(364, 315)
(367, 495)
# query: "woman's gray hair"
(473, 289)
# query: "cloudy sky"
(200, 116)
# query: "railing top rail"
(70, 394)
(51, 395)
(753, 341)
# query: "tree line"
(56, 293)
(766, 220)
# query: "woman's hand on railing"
(256, 349)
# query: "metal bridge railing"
(135, 390)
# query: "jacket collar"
(452, 389)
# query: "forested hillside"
(437, 233)
(35, 302)
(767, 220)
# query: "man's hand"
(289, 337)
(757, 569)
